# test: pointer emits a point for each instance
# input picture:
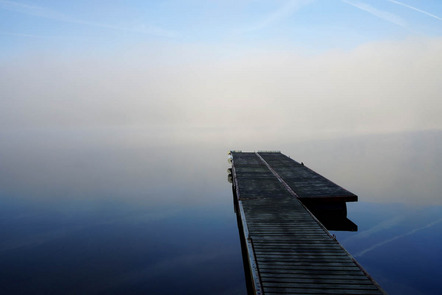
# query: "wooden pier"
(287, 250)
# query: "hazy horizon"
(246, 69)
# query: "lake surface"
(120, 211)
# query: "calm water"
(116, 211)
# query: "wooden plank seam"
(289, 189)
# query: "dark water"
(122, 212)
(398, 244)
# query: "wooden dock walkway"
(288, 251)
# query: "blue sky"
(318, 68)
(107, 26)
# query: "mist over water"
(89, 212)
(119, 210)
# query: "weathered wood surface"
(290, 251)
(306, 183)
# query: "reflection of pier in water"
(287, 247)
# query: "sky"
(222, 69)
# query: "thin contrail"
(46, 13)
(397, 237)
(281, 13)
(387, 16)
(416, 9)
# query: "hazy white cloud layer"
(378, 87)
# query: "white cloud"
(378, 87)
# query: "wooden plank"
(292, 240)
(330, 276)
(275, 290)
(311, 272)
(319, 285)
(300, 259)
(297, 281)
(294, 253)
(265, 262)
(318, 266)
